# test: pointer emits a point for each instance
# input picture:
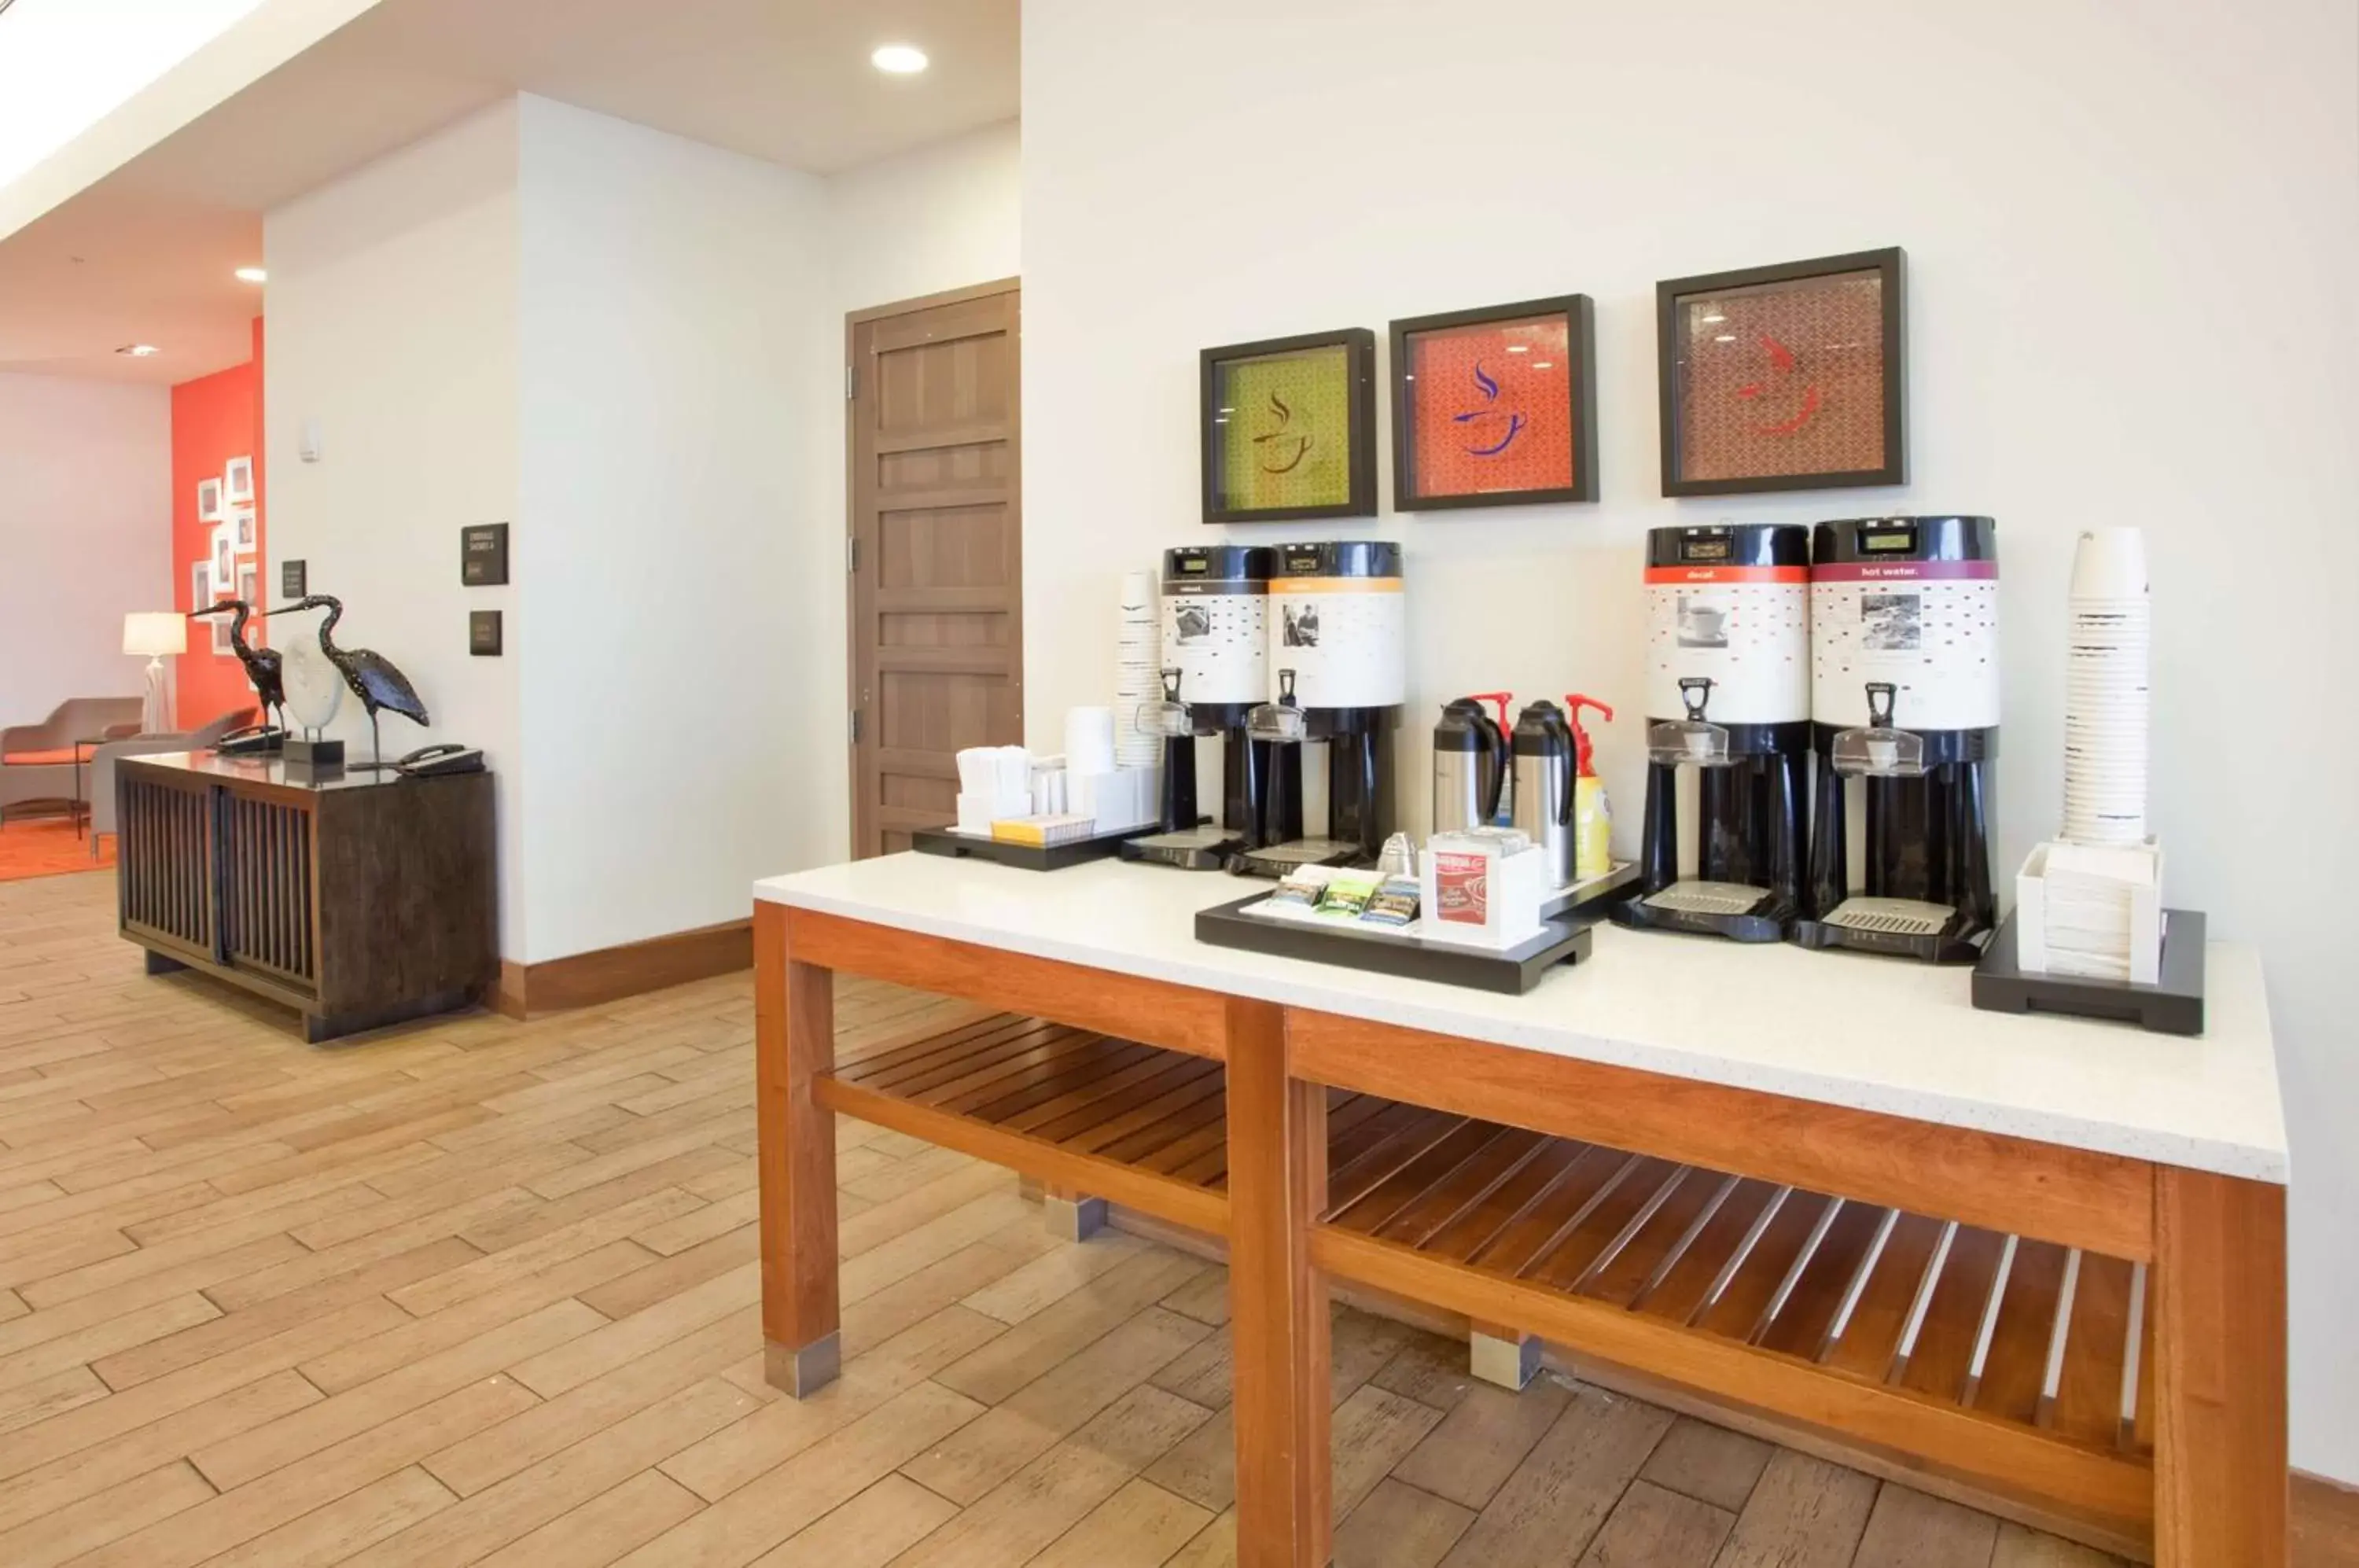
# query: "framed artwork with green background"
(1289, 428)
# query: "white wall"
(628, 345)
(676, 364)
(2128, 231)
(393, 324)
(86, 533)
(937, 218)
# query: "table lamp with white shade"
(156, 632)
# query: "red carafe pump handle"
(1584, 763)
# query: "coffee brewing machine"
(1905, 693)
(1339, 674)
(1215, 670)
(1728, 694)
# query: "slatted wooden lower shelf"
(2000, 1358)
(1135, 1123)
(2004, 1359)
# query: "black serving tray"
(1029, 856)
(2172, 1005)
(1591, 897)
(1510, 970)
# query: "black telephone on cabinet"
(249, 739)
(448, 756)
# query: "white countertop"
(1855, 1030)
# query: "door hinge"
(850, 382)
(852, 552)
(855, 726)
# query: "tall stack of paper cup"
(2105, 706)
(1138, 651)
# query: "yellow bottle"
(1592, 814)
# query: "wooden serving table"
(2038, 1258)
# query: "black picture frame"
(1892, 265)
(1361, 404)
(1581, 337)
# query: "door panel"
(937, 529)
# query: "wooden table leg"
(794, 1043)
(1277, 1313)
(2220, 1371)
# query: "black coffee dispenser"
(1338, 636)
(1905, 695)
(1215, 646)
(1728, 695)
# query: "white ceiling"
(146, 253)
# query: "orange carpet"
(47, 847)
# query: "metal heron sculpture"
(373, 677)
(264, 666)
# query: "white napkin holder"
(994, 781)
(1473, 894)
(2106, 922)
(1121, 799)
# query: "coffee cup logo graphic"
(1462, 889)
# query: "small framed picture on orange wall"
(208, 500)
(237, 481)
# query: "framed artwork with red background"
(1495, 406)
(1789, 377)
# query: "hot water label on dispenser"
(1745, 627)
(1928, 627)
(1339, 622)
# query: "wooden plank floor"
(485, 1292)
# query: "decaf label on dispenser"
(1928, 628)
(1745, 628)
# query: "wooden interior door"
(936, 553)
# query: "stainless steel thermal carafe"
(1470, 767)
(1545, 772)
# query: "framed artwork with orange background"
(1289, 428)
(1496, 406)
(1789, 377)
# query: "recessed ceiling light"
(252, 274)
(898, 60)
(138, 350)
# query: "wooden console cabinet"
(358, 899)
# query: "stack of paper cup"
(1137, 675)
(2109, 643)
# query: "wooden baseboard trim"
(508, 991)
(2325, 1521)
(611, 974)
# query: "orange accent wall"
(214, 419)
